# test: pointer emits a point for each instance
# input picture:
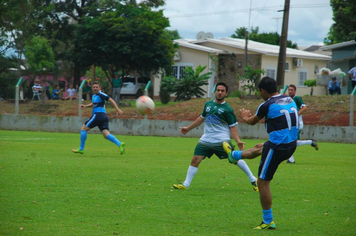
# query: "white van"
(133, 86)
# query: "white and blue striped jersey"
(98, 101)
(281, 119)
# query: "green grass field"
(45, 189)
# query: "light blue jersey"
(98, 101)
(281, 119)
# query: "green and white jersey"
(299, 101)
(218, 120)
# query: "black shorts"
(271, 157)
(98, 119)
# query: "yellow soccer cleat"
(228, 149)
(179, 186)
(263, 225)
(254, 186)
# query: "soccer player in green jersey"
(220, 126)
(301, 107)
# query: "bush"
(190, 85)
(252, 77)
(8, 83)
(164, 96)
(166, 89)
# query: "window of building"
(286, 67)
(302, 76)
(178, 70)
(271, 71)
(316, 69)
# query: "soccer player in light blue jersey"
(220, 126)
(99, 118)
(281, 118)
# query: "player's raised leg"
(106, 133)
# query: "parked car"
(133, 86)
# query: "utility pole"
(283, 46)
(246, 38)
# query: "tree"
(190, 85)
(254, 35)
(8, 78)
(310, 83)
(252, 77)
(129, 40)
(19, 21)
(40, 57)
(344, 16)
(61, 18)
(172, 34)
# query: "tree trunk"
(76, 73)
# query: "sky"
(309, 20)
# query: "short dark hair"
(293, 86)
(268, 84)
(96, 82)
(223, 84)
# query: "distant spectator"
(352, 74)
(56, 95)
(334, 86)
(37, 86)
(72, 93)
(48, 95)
(37, 89)
(117, 84)
(86, 92)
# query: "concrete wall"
(344, 134)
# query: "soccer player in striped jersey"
(281, 119)
(99, 118)
(220, 123)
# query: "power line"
(271, 8)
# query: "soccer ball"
(145, 105)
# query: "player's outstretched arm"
(119, 112)
(193, 125)
(88, 105)
(248, 118)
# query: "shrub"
(252, 77)
(166, 88)
(190, 85)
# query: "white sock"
(291, 159)
(244, 167)
(190, 174)
(304, 142)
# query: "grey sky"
(309, 20)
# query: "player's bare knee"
(196, 161)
